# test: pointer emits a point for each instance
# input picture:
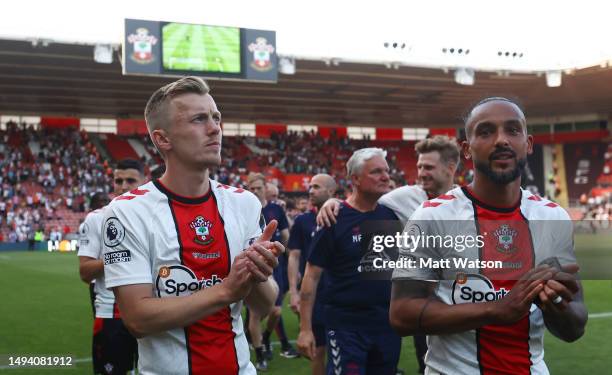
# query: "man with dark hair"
(98, 200)
(436, 165)
(302, 204)
(114, 349)
(183, 252)
(501, 333)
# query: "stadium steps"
(96, 140)
(18, 140)
(606, 179)
(563, 197)
(582, 183)
(139, 148)
(119, 148)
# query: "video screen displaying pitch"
(201, 48)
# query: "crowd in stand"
(296, 153)
(598, 206)
(598, 209)
(43, 172)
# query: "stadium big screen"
(177, 49)
(200, 48)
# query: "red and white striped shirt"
(181, 245)
(518, 237)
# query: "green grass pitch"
(45, 310)
(201, 48)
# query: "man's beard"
(435, 186)
(319, 201)
(501, 178)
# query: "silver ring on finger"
(557, 300)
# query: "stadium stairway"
(119, 148)
(139, 148)
(583, 164)
(606, 179)
(18, 141)
(563, 197)
(99, 145)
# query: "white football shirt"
(90, 245)
(519, 237)
(179, 246)
(404, 200)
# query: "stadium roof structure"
(63, 79)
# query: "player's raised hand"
(275, 247)
(328, 212)
(262, 254)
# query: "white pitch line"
(81, 360)
(600, 315)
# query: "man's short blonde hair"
(156, 113)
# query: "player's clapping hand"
(255, 264)
(262, 254)
(559, 292)
(238, 282)
(516, 304)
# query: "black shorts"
(320, 334)
(115, 350)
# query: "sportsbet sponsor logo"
(474, 288)
(180, 280)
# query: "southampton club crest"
(202, 228)
(505, 239)
(262, 52)
(143, 46)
